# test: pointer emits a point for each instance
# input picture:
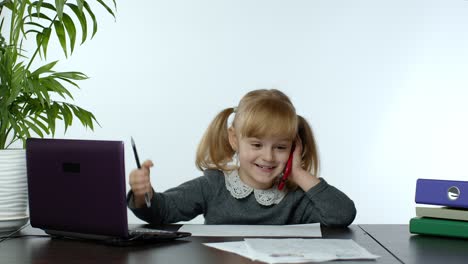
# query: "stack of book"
(448, 213)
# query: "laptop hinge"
(75, 235)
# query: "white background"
(384, 85)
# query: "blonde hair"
(260, 113)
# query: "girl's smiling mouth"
(265, 167)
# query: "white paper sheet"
(295, 250)
(236, 247)
(305, 250)
(308, 230)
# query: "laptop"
(77, 190)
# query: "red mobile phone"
(287, 169)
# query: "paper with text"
(295, 250)
(305, 250)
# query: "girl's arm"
(327, 205)
(181, 203)
(322, 203)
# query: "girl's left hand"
(297, 158)
(299, 175)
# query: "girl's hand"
(301, 177)
(297, 156)
(141, 184)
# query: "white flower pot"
(13, 189)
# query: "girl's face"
(261, 160)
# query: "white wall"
(383, 83)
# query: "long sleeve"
(208, 195)
(181, 203)
(327, 205)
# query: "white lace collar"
(239, 190)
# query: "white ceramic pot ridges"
(13, 189)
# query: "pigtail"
(214, 150)
(310, 157)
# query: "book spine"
(439, 227)
(443, 212)
(442, 192)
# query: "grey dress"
(209, 196)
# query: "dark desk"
(415, 249)
(41, 250)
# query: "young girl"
(242, 165)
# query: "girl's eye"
(281, 147)
(256, 145)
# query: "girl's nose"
(268, 154)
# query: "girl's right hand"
(141, 184)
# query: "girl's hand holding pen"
(141, 184)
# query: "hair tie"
(234, 109)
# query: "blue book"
(442, 192)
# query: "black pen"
(147, 199)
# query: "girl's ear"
(232, 138)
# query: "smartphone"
(287, 169)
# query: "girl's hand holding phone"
(301, 177)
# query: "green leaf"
(41, 92)
(39, 43)
(33, 31)
(77, 113)
(67, 116)
(82, 18)
(107, 8)
(71, 30)
(38, 5)
(20, 128)
(26, 105)
(59, 5)
(84, 116)
(51, 117)
(40, 124)
(46, 68)
(93, 17)
(80, 4)
(55, 86)
(33, 126)
(45, 40)
(71, 75)
(60, 31)
(89, 117)
(40, 116)
(35, 24)
(38, 15)
(68, 81)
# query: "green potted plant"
(33, 94)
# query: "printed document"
(295, 250)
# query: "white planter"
(13, 189)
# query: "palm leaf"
(82, 19)
(71, 30)
(71, 75)
(34, 127)
(45, 40)
(59, 4)
(26, 96)
(107, 7)
(46, 68)
(67, 116)
(60, 31)
(93, 17)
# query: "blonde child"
(242, 163)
